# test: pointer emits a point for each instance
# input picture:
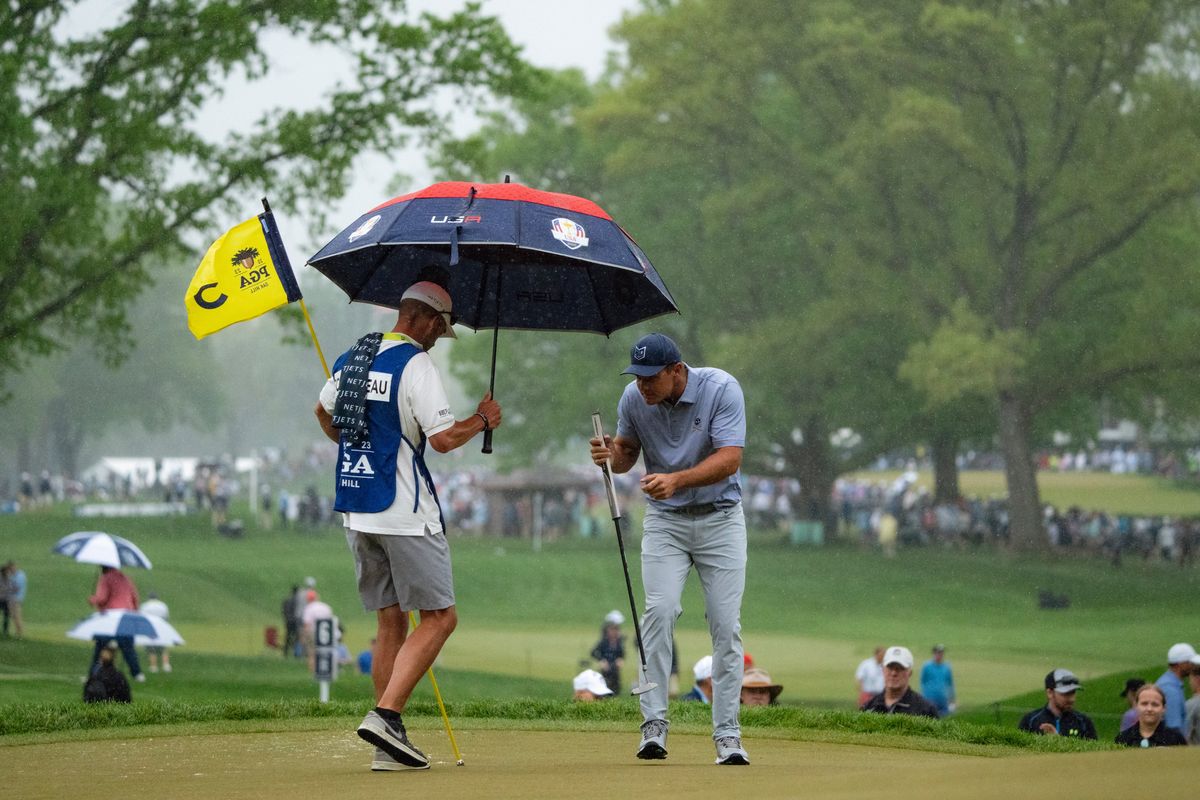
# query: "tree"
(78, 394)
(102, 169)
(1026, 158)
(907, 217)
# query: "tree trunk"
(945, 469)
(816, 472)
(24, 452)
(1024, 506)
(68, 438)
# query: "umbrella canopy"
(95, 547)
(146, 630)
(517, 258)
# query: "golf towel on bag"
(366, 471)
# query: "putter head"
(643, 687)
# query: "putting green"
(563, 764)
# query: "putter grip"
(598, 429)
(487, 441)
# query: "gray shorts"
(410, 571)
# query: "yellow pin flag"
(244, 274)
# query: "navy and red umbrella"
(516, 258)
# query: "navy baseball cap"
(651, 354)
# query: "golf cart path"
(540, 764)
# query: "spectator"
(702, 688)
(1191, 731)
(314, 609)
(116, 591)
(16, 598)
(897, 697)
(106, 683)
(1151, 729)
(1130, 694)
(869, 677)
(301, 601)
(609, 652)
(341, 650)
(1059, 717)
(5, 593)
(937, 681)
(758, 689)
(154, 653)
(590, 685)
(291, 621)
(1179, 664)
(366, 658)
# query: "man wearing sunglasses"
(384, 402)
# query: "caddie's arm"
(486, 417)
(325, 419)
(720, 464)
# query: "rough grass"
(24, 719)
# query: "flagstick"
(458, 759)
(313, 334)
(411, 616)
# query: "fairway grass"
(527, 619)
(1091, 491)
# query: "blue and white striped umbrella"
(94, 547)
(144, 628)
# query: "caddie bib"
(366, 472)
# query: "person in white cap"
(1179, 665)
(384, 402)
(702, 688)
(589, 685)
(897, 696)
(1059, 717)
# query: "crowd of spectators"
(864, 506)
(294, 492)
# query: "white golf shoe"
(654, 740)
(729, 751)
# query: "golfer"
(690, 425)
(384, 402)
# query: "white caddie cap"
(615, 617)
(898, 655)
(436, 298)
(591, 681)
(1179, 653)
(703, 669)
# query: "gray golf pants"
(716, 544)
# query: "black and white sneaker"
(654, 740)
(729, 751)
(392, 739)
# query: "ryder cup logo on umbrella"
(569, 232)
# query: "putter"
(643, 685)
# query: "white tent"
(140, 471)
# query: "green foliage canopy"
(102, 167)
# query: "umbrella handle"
(487, 435)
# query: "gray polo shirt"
(710, 414)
